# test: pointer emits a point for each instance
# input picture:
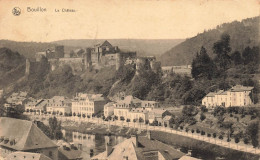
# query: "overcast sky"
(113, 19)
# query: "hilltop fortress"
(99, 56)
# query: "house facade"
(236, 96)
(58, 105)
(87, 104)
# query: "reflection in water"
(94, 144)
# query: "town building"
(87, 104)
(68, 151)
(58, 105)
(138, 115)
(25, 136)
(236, 96)
(139, 148)
(17, 98)
(37, 106)
(26, 156)
(157, 114)
(133, 108)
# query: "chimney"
(109, 149)
(135, 140)
(149, 135)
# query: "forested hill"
(242, 34)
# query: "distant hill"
(243, 34)
(28, 49)
(141, 46)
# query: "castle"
(99, 56)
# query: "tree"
(214, 135)
(141, 120)
(122, 118)
(202, 65)
(236, 57)
(237, 139)
(84, 116)
(222, 48)
(55, 127)
(74, 114)
(252, 132)
(116, 117)
(202, 117)
(128, 120)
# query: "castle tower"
(88, 61)
(119, 60)
(59, 51)
(27, 67)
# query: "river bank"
(199, 149)
(101, 129)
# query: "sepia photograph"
(129, 80)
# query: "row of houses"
(236, 96)
(87, 105)
(136, 110)
(126, 107)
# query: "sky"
(119, 19)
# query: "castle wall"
(119, 61)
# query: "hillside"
(243, 34)
(141, 46)
(12, 66)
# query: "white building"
(236, 96)
(87, 104)
(133, 108)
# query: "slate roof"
(129, 100)
(26, 156)
(142, 152)
(240, 88)
(70, 153)
(126, 148)
(157, 111)
(67, 151)
(153, 145)
(211, 94)
(25, 135)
